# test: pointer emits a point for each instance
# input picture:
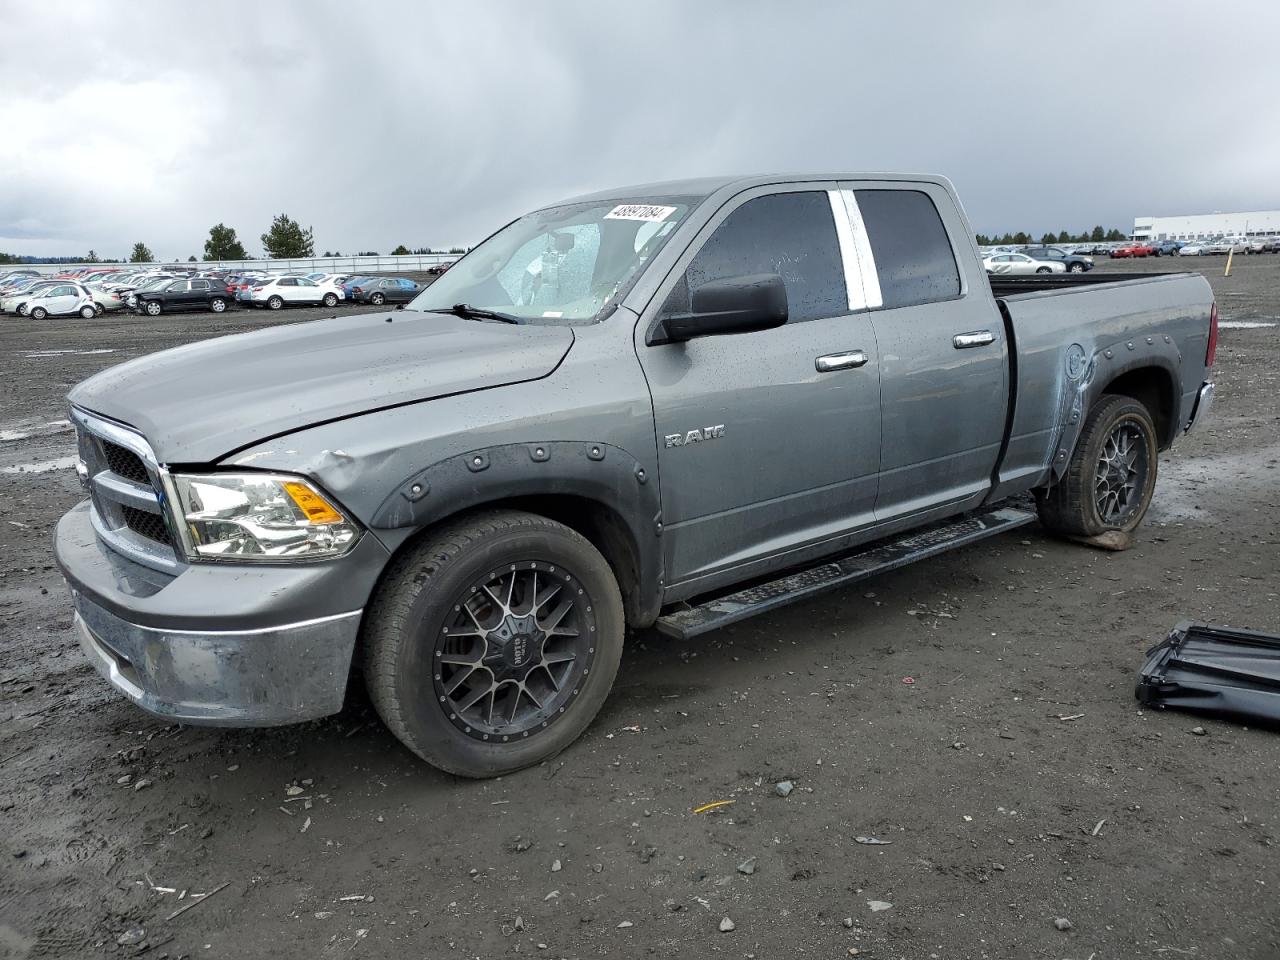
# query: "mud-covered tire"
(1071, 506)
(405, 641)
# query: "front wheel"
(217, 305)
(1075, 268)
(38, 313)
(492, 644)
(1043, 270)
(275, 303)
(330, 299)
(153, 308)
(1111, 476)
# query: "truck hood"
(200, 402)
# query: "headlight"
(258, 516)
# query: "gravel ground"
(1014, 783)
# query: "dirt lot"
(987, 775)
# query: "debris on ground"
(784, 788)
(727, 925)
(197, 899)
(747, 866)
(1213, 669)
(1062, 923)
(872, 841)
(713, 805)
(879, 905)
(1113, 540)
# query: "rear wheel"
(88, 311)
(217, 304)
(38, 313)
(99, 309)
(153, 308)
(274, 302)
(330, 299)
(491, 645)
(1043, 270)
(1111, 476)
(377, 299)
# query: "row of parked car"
(90, 293)
(1018, 261)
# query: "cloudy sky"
(431, 124)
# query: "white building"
(1204, 226)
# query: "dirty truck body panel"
(898, 392)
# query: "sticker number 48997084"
(640, 211)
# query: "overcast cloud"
(431, 124)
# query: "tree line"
(1096, 235)
(286, 239)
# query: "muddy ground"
(988, 775)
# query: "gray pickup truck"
(674, 405)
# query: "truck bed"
(1004, 286)
(1072, 335)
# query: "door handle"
(978, 338)
(840, 361)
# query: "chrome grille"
(126, 492)
(147, 525)
(125, 463)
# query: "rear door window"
(790, 234)
(913, 254)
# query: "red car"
(1135, 249)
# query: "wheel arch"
(1155, 388)
(596, 489)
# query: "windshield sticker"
(648, 212)
(553, 313)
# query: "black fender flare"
(605, 474)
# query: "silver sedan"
(1019, 264)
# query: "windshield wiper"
(469, 312)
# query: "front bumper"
(1204, 403)
(220, 644)
(254, 678)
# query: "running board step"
(885, 555)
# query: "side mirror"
(733, 305)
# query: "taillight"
(1211, 351)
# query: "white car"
(281, 291)
(60, 300)
(1193, 249)
(1019, 264)
(15, 299)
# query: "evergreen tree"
(223, 244)
(286, 240)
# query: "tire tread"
(389, 617)
(1063, 507)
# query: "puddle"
(1186, 488)
(37, 430)
(37, 354)
(41, 466)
